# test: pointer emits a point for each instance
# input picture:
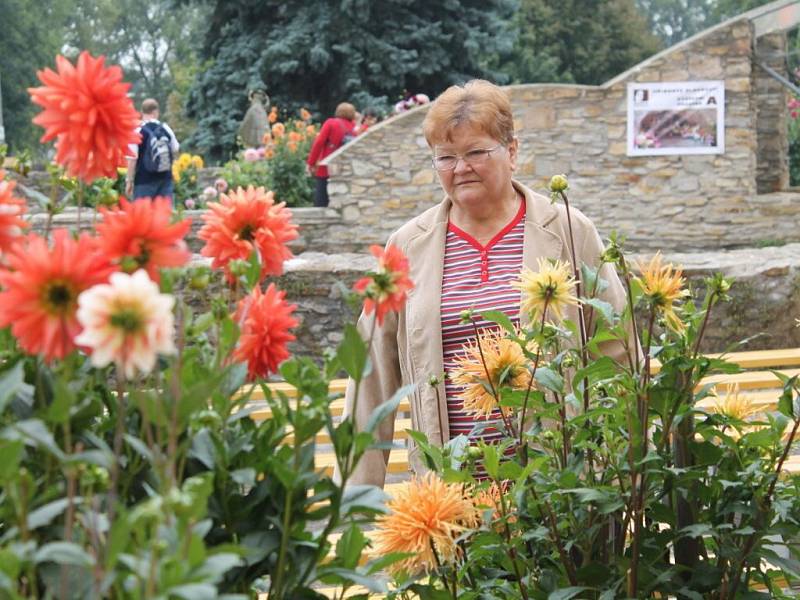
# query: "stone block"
(705, 67)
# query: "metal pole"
(777, 76)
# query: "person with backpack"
(150, 163)
(334, 133)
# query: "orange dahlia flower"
(139, 235)
(11, 211)
(425, 513)
(41, 286)
(245, 220)
(278, 129)
(264, 320)
(273, 114)
(305, 115)
(385, 290)
(88, 113)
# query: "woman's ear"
(513, 153)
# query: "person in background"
(150, 163)
(367, 120)
(334, 133)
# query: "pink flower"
(251, 155)
(126, 321)
(189, 203)
(422, 98)
(260, 151)
(400, 106)
(794, 114)
(210, 193)
(221, 185)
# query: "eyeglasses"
(448, 162)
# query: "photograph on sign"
(677, 117)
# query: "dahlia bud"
(558, 183)
(466, 316)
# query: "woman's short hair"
(345, 110)
(478, 103)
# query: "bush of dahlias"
(278, 165)
(611, 481)
(136, 458)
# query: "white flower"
(126, 321)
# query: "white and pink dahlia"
(127, 321)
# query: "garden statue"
(255, 123)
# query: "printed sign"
(677, 117)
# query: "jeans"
(152, 189)
(321, 192)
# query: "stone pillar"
(771, 97)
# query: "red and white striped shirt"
(479, 278)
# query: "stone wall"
(663, 202)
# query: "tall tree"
(581, 41)
(30, 36)
(316, 54)
(150, 40)
(676, 20)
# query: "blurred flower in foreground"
(88, 113)
(552, 288)
(662, 286)
(425, 514)
(558, 183)
(245, 220)
(386, 288)
(139, 235)
(41, 287)
(11, 211)
(506, 365)
(127, 322)
(264, 320)
(735, 405)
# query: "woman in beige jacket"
(470, 132)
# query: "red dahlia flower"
(11, 211)
(88, 112)
(40, 289)
(244, 220)
(265, 320)
(139, 235)
(386, 288)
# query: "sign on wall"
(677, 117)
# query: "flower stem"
(533, 373)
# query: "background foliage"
(199, 57)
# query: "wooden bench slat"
(336, 408)
(400, 433)
(749, 379)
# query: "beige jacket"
(407, 349)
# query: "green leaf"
(10, 456)
(350, 546)
(548, 378)
(352, 353)
(44, 515)
(12, 381)
(245, 477)
(566, 593)
(64, 553)
(501, 318)
(357, 498)
(371, 583)
(194, 591)
(491, 460)
(602, 307)
(388, 408)
(35, 431)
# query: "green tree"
(30, 36)
(156, 42)
(320, 53)
(676, 20)
(579, 41)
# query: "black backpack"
(156, 154)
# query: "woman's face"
(487, 181)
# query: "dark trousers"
(321, 192)
(151, 189)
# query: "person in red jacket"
(335, 132)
